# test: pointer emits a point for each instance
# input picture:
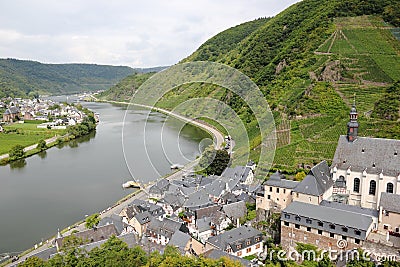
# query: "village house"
(241, 242)
(11, 114)
(160, 232)
(389, 214)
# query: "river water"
(62, 185)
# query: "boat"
(131, 184)
(176, 166)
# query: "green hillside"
(309, 61)
(21, 77)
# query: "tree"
(300, 176)
(33, 262)
(213, 162)
(92, 220)
(16, 152)
(41, 145)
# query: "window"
(357, 241)
(228, 250)
(257, 239)
(270, 189)
(239, 253)
(344, 229)
(248, 250)
(332, 226)
(248, 243)
(386, 227)
(277, 189)
(320, 224)
(297, 226)
(344, 237)
(332, 235)
(357, 232)
(284, 191)
(309, 221)
(286, 223)
(287, 216)
(372, 188)
(269, 196)
(397, 229)
(239, 246)
(298, 218)
(356, 186)
(308, 229)
(389, 188)
(277, 199)
(320, 232)
(258, 246)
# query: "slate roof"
(113, 219)
(179, 240)
(143, 217)
(233, 176)
(317, 182)
(160, 187)
(236, 236)
(94, 235)
(203, 224)
(351, 208)
(278, 180)
(390, 202)
(216, 188)
(142, 206)
(165, 227)
(364, 152)
(198, 199)
(217, 254)
(330, 214)
(206, 211)
(235, 210)
(175, 200)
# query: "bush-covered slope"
(309, 61)
(20, 77)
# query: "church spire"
(352, 125)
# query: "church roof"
(374, 155)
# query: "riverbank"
(217, 135)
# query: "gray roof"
(203, 224)
(175, 200)
(235, 210)
(216, 188)
(160, 187)
(317, 182)
(365, 152)
(113, 219)
(143, 217)
(165, 227)
(179, 240)
(235, 237)
(329, 214)
(390, 202)
(217, 254)
(142, 206)
(278, 180)
(198, 199)
(233, 176)
(351, 208)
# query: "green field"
(25, 134)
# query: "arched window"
(389, 188)
(372, 188)
(356, 186)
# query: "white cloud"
(123, 32)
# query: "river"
(60, 186)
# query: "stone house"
(389, 214)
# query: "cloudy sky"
(134, 33)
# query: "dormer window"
(298, 218)
(362, 150)
(344, 161)
(373, 165)
(395, 153)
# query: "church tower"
(352, 125)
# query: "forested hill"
(309, 61)
(21, 77)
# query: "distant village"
(354, 203)
(54, 115)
